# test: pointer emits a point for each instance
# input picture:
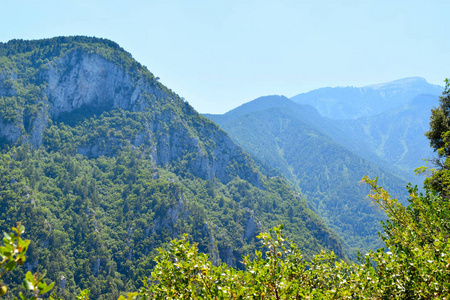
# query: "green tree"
(414, 265)
(417, 237)
(278, 271)
(13, 254)
(440, 123)
(439, 136)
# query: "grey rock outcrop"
(10, 131)
(82, 81)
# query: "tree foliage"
(97, 222)
(439, 136)
(414, 265)
(104, 219)
(440, 123)
(12, 254)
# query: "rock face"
(10, 131)
(39, 124)
(85, 79)
(81, 82)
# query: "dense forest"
(103, 165)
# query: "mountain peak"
(88, 81)
(356, 102)
(400, 83)
(260, 103)
(16, 46)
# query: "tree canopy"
(440, 123)
(439, 136)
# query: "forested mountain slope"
(285, 136)
(103, 164)
(398, 136)
(336, 130)
(389, 119)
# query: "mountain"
(387, 121)
(355, 102)
(397, 136)
(333, 128)
(103, 165)
(304, 147)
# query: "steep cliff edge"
(78, 78)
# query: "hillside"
(287, 137)
(398, 136)
(103, 164)
(388, 119)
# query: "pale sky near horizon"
(220, 54)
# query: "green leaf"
(84, 295)
(41, 285)
(131, 296)
(23, 243)
(28, 285)
(7, 236)
(11, 265)
(6, 250)
(48, 288)
(29, 276)
(21, 229)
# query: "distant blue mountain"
(397, 136)
(353, 102)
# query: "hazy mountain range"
(325, 148)
(354, 102)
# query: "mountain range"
(103, 164)
(326, 145)
(278, 133)
(340, 103)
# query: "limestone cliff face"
(38, 127)
(86, 81)
(9, 131)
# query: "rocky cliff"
(75, 82)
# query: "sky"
(221, 54)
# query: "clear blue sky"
(220, 54)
